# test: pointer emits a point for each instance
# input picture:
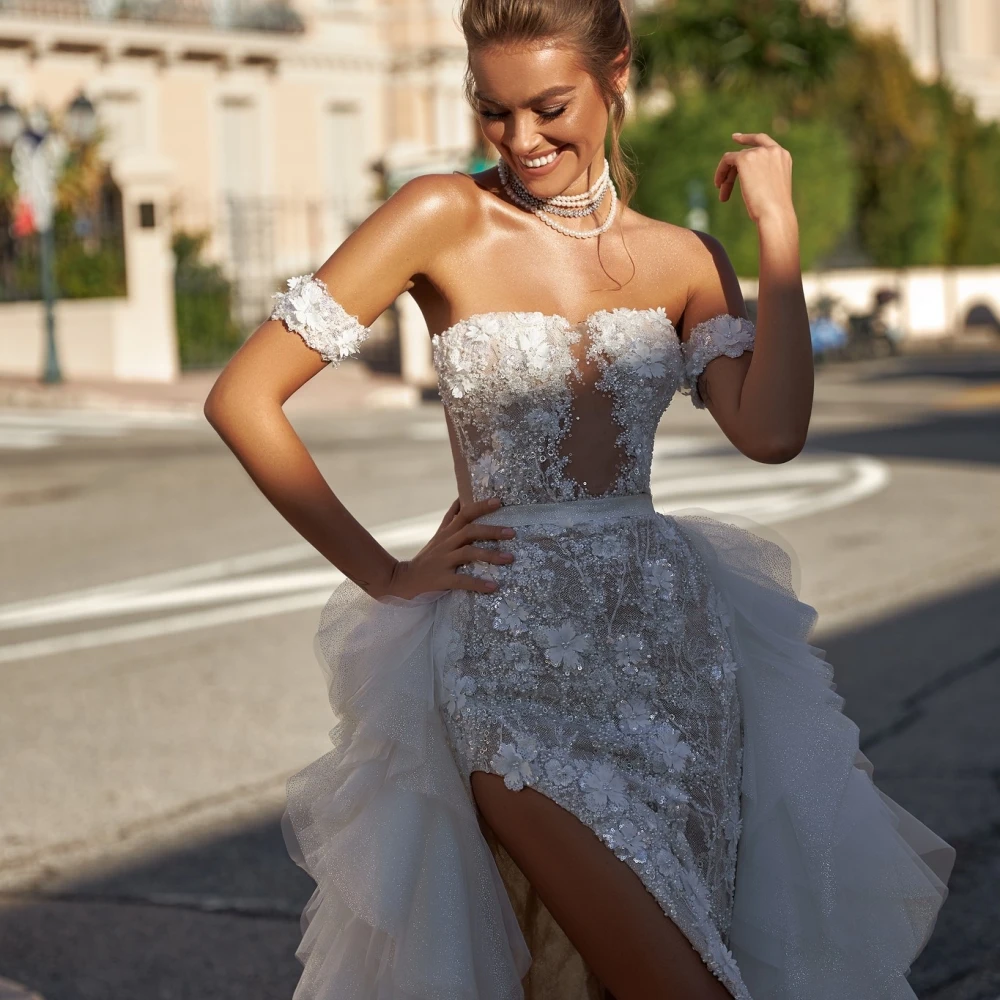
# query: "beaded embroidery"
(729, 335)
(601, 671)
(308, 309)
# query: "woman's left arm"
(762, 400)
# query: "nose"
(521, 136)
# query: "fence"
(234, 252)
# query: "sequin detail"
(729, 335)
(308, 309)
(529, 392)
(601, 674)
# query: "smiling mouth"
(540, 161)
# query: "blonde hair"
(599, 30)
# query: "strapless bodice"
(546, 410)
(543, 409)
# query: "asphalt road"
(159, 686)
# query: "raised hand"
(765, 172)
(435, 566)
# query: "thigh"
(611, 918)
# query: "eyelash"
(495, 116)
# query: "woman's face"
(544, 114)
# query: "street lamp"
(37, 153)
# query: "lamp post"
(37, 154)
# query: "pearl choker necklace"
(566, 205)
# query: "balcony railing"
(225, 15)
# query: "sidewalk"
(351, 386)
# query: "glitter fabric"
(600, 673)
(649, 673)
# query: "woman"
(583, 749)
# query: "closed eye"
(548, 115)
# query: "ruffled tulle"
(837, 886)
(409, 904)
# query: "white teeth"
(541, 161)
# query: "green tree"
(974, 237)
(206, 331)
(899, 133)
(682, 148)
(922, 168)
(734, 45)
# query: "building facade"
(959, 39)
(275, 129)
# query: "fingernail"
(508, 532)
(494, 501)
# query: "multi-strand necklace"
(572, 206)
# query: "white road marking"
(26, 429)
(241, 588)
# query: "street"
(159, 683)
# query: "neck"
(588, 178)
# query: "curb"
(378, 395)
(9, 990)
(28, 400)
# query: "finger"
(473, 553)
(464, 581)
(478, 531)
(753, 139)
(450, 513)
(726, 164)
(478, 508)
(728, 184)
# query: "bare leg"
(611, 918)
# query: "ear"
(620, 69)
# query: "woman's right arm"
(364, 275)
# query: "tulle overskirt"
(837, 887)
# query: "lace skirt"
(601, 673)
(651, 674)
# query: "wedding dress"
(651, 674)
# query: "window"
(344, 162)
(240, 151)
(120, 112)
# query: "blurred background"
(165, 165)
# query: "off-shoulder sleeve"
(309, 310)
(729, 335)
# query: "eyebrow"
(551, 92)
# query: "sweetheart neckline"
(584, 323)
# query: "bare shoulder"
(697, 259)
(444, 201)
(685, 250)
(423, 223)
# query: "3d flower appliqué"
(563, 645)
(558, 773)
(628, 652)
(659, 577)
(513, 761)
(673, 750)
(308, 309)
(634, 716)
(604, 786)
(456, 689)
(644, 360)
